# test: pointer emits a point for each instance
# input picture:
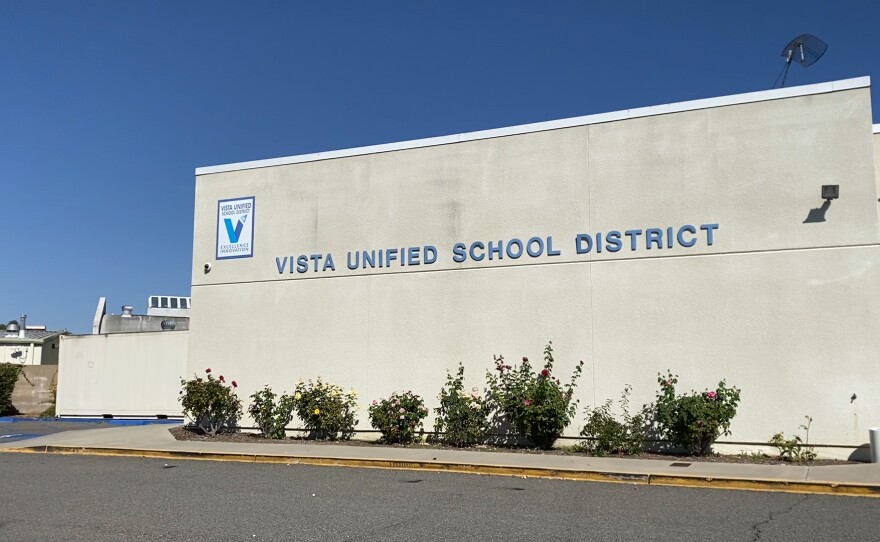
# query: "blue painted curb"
(108, 421)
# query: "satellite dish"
(805, 49)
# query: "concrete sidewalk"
(156, 441)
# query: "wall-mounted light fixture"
(830, 191)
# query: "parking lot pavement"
(31, 428)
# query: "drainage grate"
(680, 464)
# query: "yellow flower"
(317, 411)
(297, 396)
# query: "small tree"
(212, 406)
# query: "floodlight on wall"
(830, 191)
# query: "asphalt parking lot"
(27, 428)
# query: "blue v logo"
(234, 233)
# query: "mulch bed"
(185, 433)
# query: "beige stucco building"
(31, 347)
(692, 237)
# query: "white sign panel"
(235, 228)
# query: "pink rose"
(527, 402)
(711, 395)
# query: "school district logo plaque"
(235, 228)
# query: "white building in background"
(169, 305)
(33, 345)
(131, 364)
(164, 313)
(699, 237)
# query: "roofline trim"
(650, 111)
(29, 340)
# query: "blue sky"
(107, 108)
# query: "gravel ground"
(184, 433)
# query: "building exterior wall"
(783, 303)
(24, 353)
(50, 350)
(876, 140)
(140, 323)
(125, 374)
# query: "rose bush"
(606, 434)
(326, 411)
(398, 417)
(210, 403)
(271, 416)
(462, 417)
(694, 421)
(537, 405)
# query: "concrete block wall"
(34, 391)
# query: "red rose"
(545, 373)
(221, 379)
(234, 385)
(208, 370)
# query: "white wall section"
(761, 282)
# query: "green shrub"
(795, 449)
(8, 377)
(271, 416)
(326, 411)
(462, 417)
(535, 403)
(694, 421)
(212, 406)
(398, 417)
(606, 435)
(49, 412)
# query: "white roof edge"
(677, 107)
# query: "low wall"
(125, 374)
(33, 392)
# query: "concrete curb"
(818, 488)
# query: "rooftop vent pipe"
(126, 311)
(23, 327)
